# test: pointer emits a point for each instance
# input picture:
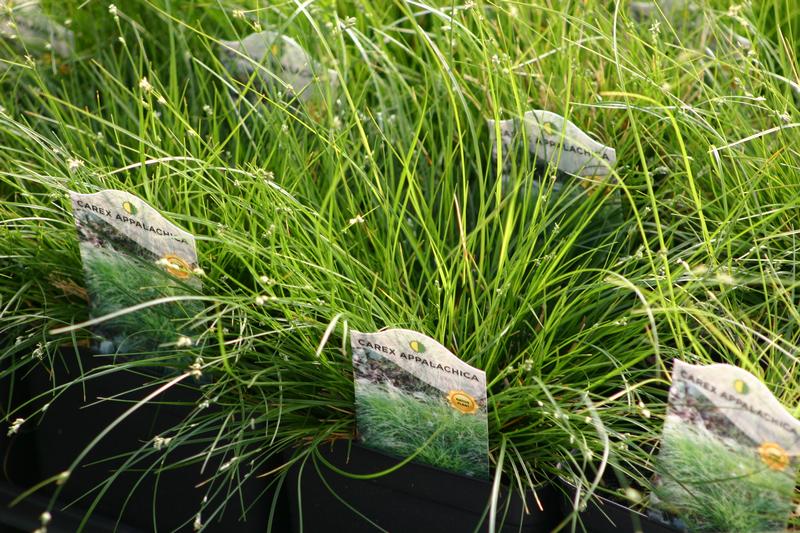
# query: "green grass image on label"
(391, 421)
(719, 486)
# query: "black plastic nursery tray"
(603, 515)
(24, 517)
(138, 500)
(414, 498)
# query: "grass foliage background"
(380, 209)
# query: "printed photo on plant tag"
(413, 396)
(729, 452)
(279, 66)
(132, 254)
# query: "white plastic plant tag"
(682, 16)
(507, 130)
(648, 9)
(558, 141)
(131, 254)
(280, 64)
(414, 397)
(25, 23)
(551, 139)
(642, 10)
(729, 452)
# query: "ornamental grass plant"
(379, 207)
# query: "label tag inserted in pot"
(551, 139)
(25, 24)
(413, 396)
(728, 444)
(561, 143)
(279, 63)
(132, 254)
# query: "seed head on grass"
(145, 85)
(13, 429)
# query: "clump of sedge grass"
(383, 211)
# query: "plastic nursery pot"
(136, 500)
(415, 497)
(604, 515)
(16, 450)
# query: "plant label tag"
(131, 254)
(414, 397)
(684, 16)
(643, 10)
(26, 24)
(279, 64)
(507, 128)
(551, 139)
(729, 453)
(557, 141)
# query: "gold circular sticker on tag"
(177, 266)
(774, 456)
(461, 401)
